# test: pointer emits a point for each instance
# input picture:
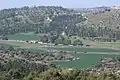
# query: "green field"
(85, 61)
(24, 36)
(82, 49)
(7, 45)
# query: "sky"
(65, 3)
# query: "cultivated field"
(85, 61)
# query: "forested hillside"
(100, 22)
(36, 19)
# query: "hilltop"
(35, 19)
(94, 9)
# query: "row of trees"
(68, 41)
(60, 40)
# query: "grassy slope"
(24, 36)
(109, 19)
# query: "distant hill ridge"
(115, 7)
(94, 9)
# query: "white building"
(63, 33)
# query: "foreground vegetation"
(65, 74)
(17, 68)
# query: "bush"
(77, 42)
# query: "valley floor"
(85, 56)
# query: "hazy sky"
(65, 3)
